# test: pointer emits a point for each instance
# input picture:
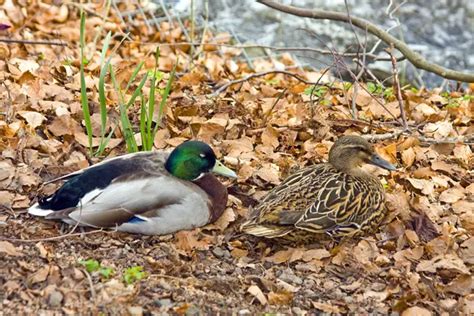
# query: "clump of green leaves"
(133, 274)
(378, 89)
(318, 91)
(148, 123)
(92, 265)
(455, 101)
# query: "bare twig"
(91, 284)
(379, 137)
(255, 75)
(267, 115)
(55, 237)
(369, 72)
(30, 42)
(8, 114)
(373, 56)
(466, 140)
(339, 61)
(396, 87)
(415, 58)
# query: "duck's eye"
(202, 155)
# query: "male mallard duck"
(337, 198)
(152, 193)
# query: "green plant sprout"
(134, 274)
(92, 265)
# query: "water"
(441, 31)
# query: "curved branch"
(416, 59)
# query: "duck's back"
(100, 175)
(318, 199)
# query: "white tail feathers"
(37, 211)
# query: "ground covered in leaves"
(419, 263)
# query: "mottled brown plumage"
(336, 198)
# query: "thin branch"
(31, 42)
(267, 115)
(415, 58)
(379, 137)
(466, 140)
(398, 90)
(373, 56)
(91, 284)
(255, 75)
(369, 72)
(55, 237)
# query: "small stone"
(164, 285)
(289, 277)
(378, 287)
(448, 304)
(309, 283)
(309, 293)
(298, 311)
(55, 299)
(164, 303)
(135, 310)
(244, 312)
(218, 252)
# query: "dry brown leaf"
(34, 119)
(270, 137)
(187, 240)
(409, 254)
(6, 198)
(239, 253)
(255, 291)
(426, 187)
(84, 141)
(42, 250)
(11, 286)
(439, 130)
(327, 308)
(379, 111)
(463, 206)
(39, 276)
(425, 109)
(25, 65)
(64, 125)
(424, 227)
(237, 147)
(280, 298)
(223, 221)
(416, 311)
(289, 255)
(448, 262)
(467, 251)
(363, 97)
(9, 249)
(408, 157)
(374, 295)
(463, 152)
(269, 172)
(452, 195)
(462, 285)
(398, 204)
(317, 254)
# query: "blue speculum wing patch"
(136, 219)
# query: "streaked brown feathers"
(335, 198)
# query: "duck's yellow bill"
(219, 168)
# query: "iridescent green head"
(192, 159)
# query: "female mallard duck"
(152, 193)
(337, 198)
